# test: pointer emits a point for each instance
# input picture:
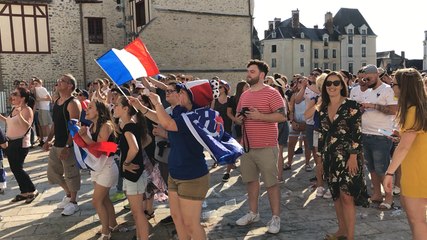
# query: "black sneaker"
(167, 220)
(299, 151)
(226, 177)
(41, 144)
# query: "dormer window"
(349, 29)
(325, 40)
(363, 29)
(273, 34)
(302, 35)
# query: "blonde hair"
(320, 80)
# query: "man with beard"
(259, 110)
(380, 108)
(357, 92)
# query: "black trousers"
(16, 155)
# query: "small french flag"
(132, 62)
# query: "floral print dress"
(338, 139)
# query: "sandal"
(148, 215)
(308, 168)
(117, 228)
(30, 198)
(287, 167)
(105, 237)
(333, 237)
(379, 201)
(18, 198)
(385, 206)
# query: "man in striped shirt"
(258, 111)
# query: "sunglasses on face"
(15, 94)
(168, 91)
(336, 83)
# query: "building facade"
(425, 51)
(46, 38)
(345, 42)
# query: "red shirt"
(267, 100)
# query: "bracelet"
(126, 163)
(145, 112)
(389, 174)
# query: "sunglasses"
(392, 84)
(95, 83)
(336, 83)
(168, 91)
(79, 94)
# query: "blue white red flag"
(207, 127)
(130, 63)
(89, 156)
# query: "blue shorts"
(283, 133)
(309, 129)
(376, 150)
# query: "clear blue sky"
(399, 25)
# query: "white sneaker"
(396, 190)
(274, 225)
(327, 194)
(319, 191)
(70, 209)
(63, 203)
(248, 218)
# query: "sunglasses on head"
(336, 83)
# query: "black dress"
(339, 139)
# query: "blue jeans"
(376, 150)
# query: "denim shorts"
(376, 150)
(283, 133)
(309, 129)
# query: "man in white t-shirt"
(357, 93)
(380, 107)
(43, 100)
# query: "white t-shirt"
(308, 96)
(41, 92)
(357, 95)
(372, 119)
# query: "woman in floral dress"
(341, 150)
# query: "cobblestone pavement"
(303, 215)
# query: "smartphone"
(385, 132)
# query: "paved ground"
(303, 215)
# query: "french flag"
(130, 63)
(89, 156)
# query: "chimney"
(329, 22)
(402, 53)
(295, 18)
(425, 32)
(277, 22)
(316, 26)
(270, 25)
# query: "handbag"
(298, 126)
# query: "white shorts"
(316, 136)
(138, 187)
(108, 175)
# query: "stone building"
(46, 38)
(345, 42)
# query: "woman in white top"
(18, 125)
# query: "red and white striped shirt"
(267, 100)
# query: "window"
(350, 67)
(273, 48)
(350, 39)
(325, 53)
(301, 47)
(350, 31)
(140, 9)
(301, 62)
(325, 65)
(273, 63)
(334, 67)
(363, 51)
(350, 51)
(334, 53)
(363, 31)
(95, 30)
(273, 34)
(316, 53)
(363, 39)
(302, 35)
(24, 28)
(325, 42)
(363, 64)
(316, 65)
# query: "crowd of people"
(344, 122)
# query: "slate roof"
(344, 17)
